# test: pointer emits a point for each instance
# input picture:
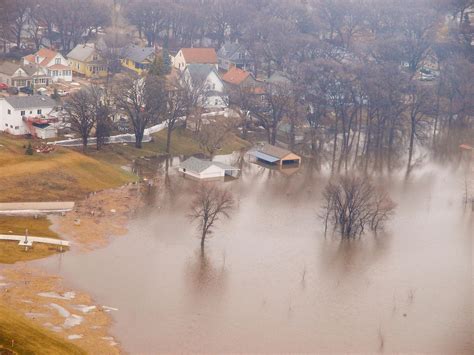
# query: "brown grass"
(61, 175)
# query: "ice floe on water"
(108, 309)
(65, 296)
(84, 308)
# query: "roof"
(58, 67)
(235, 76)
(264, 156)
(228, 50)
(274, 151)
(199, 72)
(9, 68)
(46, 53)
(31, 69)
(34, 101)
(279, 78)
(81, 52)
(199, 165)
(138, 54)
(199, 55)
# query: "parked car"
(62, 93)
(41, 91)
(27, 90)
(12, 90)
(3, 86)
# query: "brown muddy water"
(270, 282)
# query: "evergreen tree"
(29, 150)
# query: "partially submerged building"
(206, 169)
(272, 155)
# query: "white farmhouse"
(206, 169)
(57, 66)
(206, 85)
(20, 115)
(187, 56)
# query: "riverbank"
(43, 304)
(49, 316)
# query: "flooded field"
(269, 281)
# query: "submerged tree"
(209, 204)
(353, 204)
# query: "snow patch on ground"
(66, 296)
(53, 327)
(111, 341)
(71, 319)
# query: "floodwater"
(269, 281)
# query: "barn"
(272, 155)
(206, 169)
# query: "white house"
(18, 75)
(206, 169)
(203, 80)
(57, 66)
(20, 115)
(187, 56)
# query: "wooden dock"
(31, 239)
(35, 208)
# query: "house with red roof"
(53, 62)
(236, 77)
(187, 56)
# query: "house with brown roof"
(188, 56)
(236, 77)
(56, 66)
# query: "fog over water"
(269, 281)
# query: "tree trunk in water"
(203, 238)
(168, 139)
(410, 148)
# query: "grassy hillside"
(61, 175)
(182, 143)
(29, 338)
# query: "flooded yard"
(269, 281)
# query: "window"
(39, 112)
(6, 124)
(31, 112)
(22, 113)
(55, 73)
(17, 127)
(57, 61)
(9, 111)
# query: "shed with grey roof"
(206, 169)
